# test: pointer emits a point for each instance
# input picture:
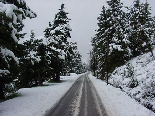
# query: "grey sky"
(83, 15)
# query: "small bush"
(130, 69)
(133, 83)
(13, 96)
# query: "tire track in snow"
(81, 100)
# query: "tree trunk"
(151, 50)
(94, 65)
(107, 72)
(107, 63)
(57, 76)
(1, 91)
(94, 72)
(53, 76)
(39, 80)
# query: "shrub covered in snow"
(137, 79)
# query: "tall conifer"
(58, 34)
(10, 31)
(141, 29)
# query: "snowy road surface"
(37, 100)
(80, 100)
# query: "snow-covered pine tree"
(69, 62)
(110, 45)
(58, 34)
(149, 28)
(118, 52)
(73, 62)
(26, 62)
(141, 31)
(93, 62)
(43, 65)
(12, 12)
(78, 64)
(99, 43)
(34, 64)
(29, 61)
(94, 57)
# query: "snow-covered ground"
(38, 100)
(137, 79)
(116, 102)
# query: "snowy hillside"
(116, 102)
(137, 79)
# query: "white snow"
(6, 52)
(116, 102)
(141, 71)
(41, 38)
(4, 72)
(9, 11)
(46, 42)
(38, 100)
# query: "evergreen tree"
(69, 61)
(43, 66)
(118, 52)
(110, 45)
(35, 62)
(73, 62)
(78, 66)
(149, 29)
(93, 62)
(28, 62)
(140, 33)
(10, 31)
(99, 43)
(120, 36)
(58, 34)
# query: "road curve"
(81, 100)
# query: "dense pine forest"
(123, 48)
(30, 62)
(122, 34)
(120, 74)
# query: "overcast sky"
(83, 15)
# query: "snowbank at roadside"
(116, 102)
(137, 79)
(36, 101)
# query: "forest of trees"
(35, 60)
(123, 33)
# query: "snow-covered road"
(80, 100)
(39, 100)
(36, 101)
